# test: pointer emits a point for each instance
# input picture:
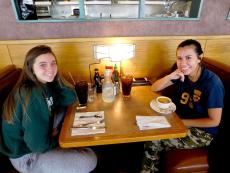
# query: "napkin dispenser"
(142, 81)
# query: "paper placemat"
(88, 123)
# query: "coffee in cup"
(163, 102)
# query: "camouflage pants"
(196, 138)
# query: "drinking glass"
(91, 92)
(81, 88)
(126, 84)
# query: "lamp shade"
(101, 52)
(115, 52)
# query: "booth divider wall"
(153, 55)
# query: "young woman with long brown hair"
(29, 137)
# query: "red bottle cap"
(108, 67)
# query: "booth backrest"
(223, 72)
(8, 78)
(219, 148)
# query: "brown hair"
(26, 82)
(196, 44)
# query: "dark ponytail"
(196, 44)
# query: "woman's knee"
(92, 159)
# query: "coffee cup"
(163, 102)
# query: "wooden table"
(120, 121)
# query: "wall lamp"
(112, 52)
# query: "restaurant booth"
(153, 57)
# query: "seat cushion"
(186, 161)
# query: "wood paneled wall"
(153, 55)
(4, 55)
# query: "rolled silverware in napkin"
(93, 127)
(91, 116)
(100, 123)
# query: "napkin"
(152, 122)
(87, 123)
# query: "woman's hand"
(177, 74)
(166, 81)
(55, 132)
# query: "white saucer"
(154, 106)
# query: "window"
(91, 10)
